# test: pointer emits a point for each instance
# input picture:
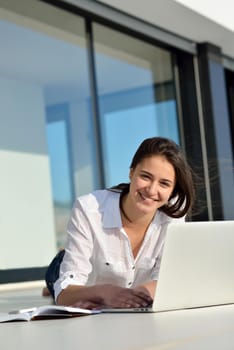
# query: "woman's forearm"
(150, 287)
(74, 294)
(104, 295)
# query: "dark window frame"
(229, 75)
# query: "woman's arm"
(78, 295)
(151, 287)
(104, 295)
(148, 288)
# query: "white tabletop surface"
(205, 328)
(209, 328)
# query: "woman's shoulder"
(97, 198)
(163, 218)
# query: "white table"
(205, 328)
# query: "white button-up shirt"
(98, 250)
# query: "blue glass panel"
(124, 130)
(136, 98)
(59, 162)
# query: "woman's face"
(152, 183)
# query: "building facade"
(82, 84)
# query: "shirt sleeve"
(155, 271)
(76, 266)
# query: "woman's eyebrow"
(146, 172)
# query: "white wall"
(27, 235)
(220, 11)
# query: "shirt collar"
(112, 217)
(111, 211)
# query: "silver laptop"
(197, 267)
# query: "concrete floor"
(22, 295)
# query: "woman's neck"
(133, 217)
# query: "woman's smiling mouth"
(145, 198)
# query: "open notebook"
(196, 268)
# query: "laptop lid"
(197, 266)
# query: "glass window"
(136, 97)
(46, 142)
(61, 169)
(222, 144)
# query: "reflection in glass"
(224, 206)
(45, 135)
(61, 175)
(136, 97)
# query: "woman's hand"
(106, 295)
(88, 305)
(119, 297)
(148, 287)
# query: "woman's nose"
(153, 188)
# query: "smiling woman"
(116, 236)
(153, 181)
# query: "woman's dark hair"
(182, 197)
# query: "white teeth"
(144, 198)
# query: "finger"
(126, 304)
(132, 297)
(87, 305)
(143, 295)
(139, 301)
(130, 301)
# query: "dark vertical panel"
(217, 130)
(230, 91)
(191, 130)
(95, 106)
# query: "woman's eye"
(165, 184)
(144, 176)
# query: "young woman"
(116, 236)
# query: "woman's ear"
(130, 174)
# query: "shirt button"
(133, 267)
(71, 276)
(129, 283)
(107, 263)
